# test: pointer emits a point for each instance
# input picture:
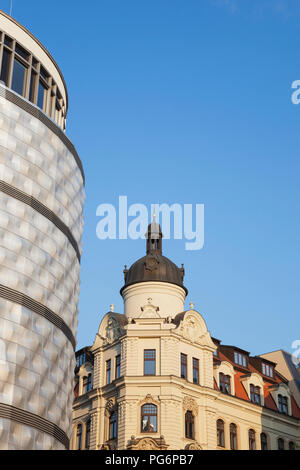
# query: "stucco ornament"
(193, 328)
(149, 310)
(147, 443)
(189, 404)
(113, 330)
(193, 446)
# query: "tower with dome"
(155, 379)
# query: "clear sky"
(188, 101)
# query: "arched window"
(149, 418)
(87, 434)
(87, 383)
(280, 444)
(282, 404)
(263, 441)
(233, 437)
(255, 394)
(189, 425)
(220, 433)
(79, 437)
(291, 445)
(225, 385)
(252, 441)
(113, 423)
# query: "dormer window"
(267, 370)
(255, 394)
(282, 404)
(225, 385)
(240, 359)
(87, 383)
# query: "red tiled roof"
(295, 408)
(239, 387)
(269, 400)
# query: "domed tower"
(154, 276)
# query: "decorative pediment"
(189, 404)
(193, 328)
(149, 310)
(110, 329)
(147, 443)
(148, 399)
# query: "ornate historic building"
(41, 220)
(154, 377)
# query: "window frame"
(88, 434)
(148, 415)
(108, 372)
(252, 439)
(183, 364)
(283, 404)
(189, 421)
(264, 443)
(113, 425)
(220, 433)
(151, 360)
(233, 436)
(79, 436)
(225, 381)
(280, 444)
(196, 369)
(118, 366)
(255, 394)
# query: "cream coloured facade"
(154, 377)
(41, 221)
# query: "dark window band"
(43, 210)
(22, 299)
(34, 421)
(37, 113)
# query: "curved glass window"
(20, 71)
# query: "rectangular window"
(108, 371)
(5, 66)
(32, 86)
(149, 362)
(118, 367)
(183, 364)
(267, 370)
(8, 41)
(44, 74)
(195, 371)
(255, 394)
(240, 359)
(42, 93)
(18, 78)
(22, 52)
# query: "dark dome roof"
(154, 266)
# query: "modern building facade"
(41, 221)
(155, 379)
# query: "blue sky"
(188, 102)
